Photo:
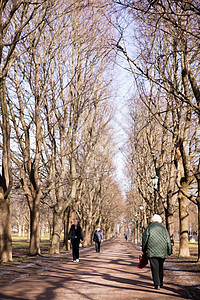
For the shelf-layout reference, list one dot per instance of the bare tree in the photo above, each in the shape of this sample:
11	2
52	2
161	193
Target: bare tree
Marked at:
14	19
166	58
29	88
71	103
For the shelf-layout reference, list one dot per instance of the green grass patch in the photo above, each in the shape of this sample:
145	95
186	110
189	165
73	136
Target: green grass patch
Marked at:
23	244
16	237
195	245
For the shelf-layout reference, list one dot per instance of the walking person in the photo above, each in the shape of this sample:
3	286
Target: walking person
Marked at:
75	235
156	242
98	238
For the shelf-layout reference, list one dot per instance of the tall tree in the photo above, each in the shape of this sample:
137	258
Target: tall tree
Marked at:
71	101
166	55
14	19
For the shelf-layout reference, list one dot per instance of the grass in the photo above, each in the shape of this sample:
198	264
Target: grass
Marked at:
195	245
20	244
24	244
16	237
193	248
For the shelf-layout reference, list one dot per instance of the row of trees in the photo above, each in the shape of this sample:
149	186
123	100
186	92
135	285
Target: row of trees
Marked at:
55	85
164	136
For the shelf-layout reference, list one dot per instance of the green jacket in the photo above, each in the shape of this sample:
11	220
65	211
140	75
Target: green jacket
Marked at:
156	241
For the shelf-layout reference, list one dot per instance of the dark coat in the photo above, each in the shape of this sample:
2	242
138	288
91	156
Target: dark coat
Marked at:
98	236
156	241
75	233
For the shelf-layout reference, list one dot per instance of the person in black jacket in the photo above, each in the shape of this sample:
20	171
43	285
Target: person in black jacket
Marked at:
75	235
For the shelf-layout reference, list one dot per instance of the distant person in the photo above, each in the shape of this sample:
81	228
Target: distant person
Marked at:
75	236
126	237
98	238
156	242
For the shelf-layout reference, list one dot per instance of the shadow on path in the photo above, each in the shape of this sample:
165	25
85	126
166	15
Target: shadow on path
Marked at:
110	274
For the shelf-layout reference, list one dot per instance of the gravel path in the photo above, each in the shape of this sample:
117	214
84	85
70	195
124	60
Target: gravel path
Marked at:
111	274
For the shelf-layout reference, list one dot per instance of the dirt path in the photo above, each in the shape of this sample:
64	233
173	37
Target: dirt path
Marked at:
111	274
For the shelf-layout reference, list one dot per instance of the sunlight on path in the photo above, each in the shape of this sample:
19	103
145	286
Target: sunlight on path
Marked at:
110	274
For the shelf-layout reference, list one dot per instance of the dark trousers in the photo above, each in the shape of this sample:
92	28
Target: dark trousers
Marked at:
97	246
157	270
75	249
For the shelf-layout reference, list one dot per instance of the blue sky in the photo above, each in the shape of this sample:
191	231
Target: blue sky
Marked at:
123	81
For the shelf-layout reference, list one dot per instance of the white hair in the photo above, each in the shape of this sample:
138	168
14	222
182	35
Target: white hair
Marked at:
156	218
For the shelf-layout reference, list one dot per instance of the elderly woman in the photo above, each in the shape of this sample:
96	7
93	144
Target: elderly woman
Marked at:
156	242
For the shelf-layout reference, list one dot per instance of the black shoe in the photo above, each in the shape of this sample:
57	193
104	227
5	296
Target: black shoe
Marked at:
161	285
157	287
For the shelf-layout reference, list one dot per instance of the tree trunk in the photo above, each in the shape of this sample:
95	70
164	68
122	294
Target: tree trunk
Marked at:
5	229
87	237
170	204
138	232
5	182
198	205
28	232
66	228
34	247
57	230
184	224
170	217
